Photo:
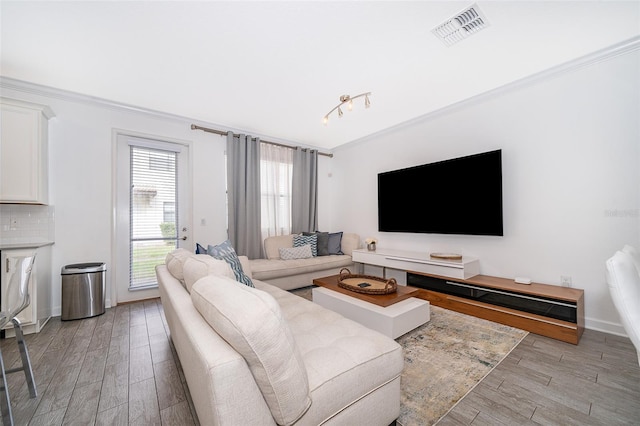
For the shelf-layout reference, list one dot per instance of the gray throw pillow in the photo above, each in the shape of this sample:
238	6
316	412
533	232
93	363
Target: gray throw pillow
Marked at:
323	242
335	243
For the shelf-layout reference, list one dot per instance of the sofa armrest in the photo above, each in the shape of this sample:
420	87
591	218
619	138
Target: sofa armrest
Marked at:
350	242
273	244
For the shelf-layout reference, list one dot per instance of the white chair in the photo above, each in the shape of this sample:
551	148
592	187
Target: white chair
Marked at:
634	255
17	299
623	280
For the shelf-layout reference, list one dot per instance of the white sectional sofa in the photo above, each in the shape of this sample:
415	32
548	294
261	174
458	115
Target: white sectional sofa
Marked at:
297	273
263	356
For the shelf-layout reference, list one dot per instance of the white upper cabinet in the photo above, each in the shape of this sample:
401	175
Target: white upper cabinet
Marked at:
24	152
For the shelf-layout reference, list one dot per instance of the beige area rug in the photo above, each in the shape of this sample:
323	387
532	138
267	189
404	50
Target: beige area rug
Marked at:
445	359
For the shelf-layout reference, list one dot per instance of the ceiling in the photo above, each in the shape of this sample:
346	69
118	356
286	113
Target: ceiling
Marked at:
274	69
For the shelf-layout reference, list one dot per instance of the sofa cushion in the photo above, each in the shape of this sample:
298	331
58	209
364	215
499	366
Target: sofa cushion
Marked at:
264	269
251	321
344	360
201	265
175	262
303	240
226	252
302	252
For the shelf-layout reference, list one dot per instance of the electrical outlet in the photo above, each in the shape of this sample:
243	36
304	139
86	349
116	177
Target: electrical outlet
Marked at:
565	281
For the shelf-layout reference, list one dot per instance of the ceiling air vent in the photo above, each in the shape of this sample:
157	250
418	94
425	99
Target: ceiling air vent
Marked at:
461	25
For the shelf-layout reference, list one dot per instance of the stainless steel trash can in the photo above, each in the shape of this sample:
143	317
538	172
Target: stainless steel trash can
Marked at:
83	290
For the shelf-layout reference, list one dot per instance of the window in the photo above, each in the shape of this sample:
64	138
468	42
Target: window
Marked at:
169	211
276	164
159	161
153	230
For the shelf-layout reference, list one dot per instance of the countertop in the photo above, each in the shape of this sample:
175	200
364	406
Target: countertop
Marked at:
23	244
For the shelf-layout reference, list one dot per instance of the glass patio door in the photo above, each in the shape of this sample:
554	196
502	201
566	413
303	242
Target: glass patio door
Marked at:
152	214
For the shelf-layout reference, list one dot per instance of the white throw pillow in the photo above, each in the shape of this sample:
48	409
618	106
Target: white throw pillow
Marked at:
201	265
302	252
251	321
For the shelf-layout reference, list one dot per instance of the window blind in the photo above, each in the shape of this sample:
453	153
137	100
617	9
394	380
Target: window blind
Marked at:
153	211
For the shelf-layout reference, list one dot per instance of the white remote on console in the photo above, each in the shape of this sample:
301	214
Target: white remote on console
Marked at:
522	280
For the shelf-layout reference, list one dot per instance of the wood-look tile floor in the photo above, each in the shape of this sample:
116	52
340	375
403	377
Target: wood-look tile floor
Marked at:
548	382
120	368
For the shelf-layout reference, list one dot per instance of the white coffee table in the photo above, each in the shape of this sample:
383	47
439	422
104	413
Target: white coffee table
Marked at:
393	320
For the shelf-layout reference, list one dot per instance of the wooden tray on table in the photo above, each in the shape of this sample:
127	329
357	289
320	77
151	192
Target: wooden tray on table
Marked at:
366	284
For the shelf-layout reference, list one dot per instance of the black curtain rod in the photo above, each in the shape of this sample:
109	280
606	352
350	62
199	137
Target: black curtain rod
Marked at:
223	133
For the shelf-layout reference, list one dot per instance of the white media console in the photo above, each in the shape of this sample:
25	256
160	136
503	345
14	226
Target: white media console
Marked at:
549	310
419	262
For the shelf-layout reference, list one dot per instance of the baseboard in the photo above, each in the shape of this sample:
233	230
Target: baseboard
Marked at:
605	326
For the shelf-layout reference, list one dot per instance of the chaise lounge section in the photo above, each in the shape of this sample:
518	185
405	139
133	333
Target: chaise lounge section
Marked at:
260	356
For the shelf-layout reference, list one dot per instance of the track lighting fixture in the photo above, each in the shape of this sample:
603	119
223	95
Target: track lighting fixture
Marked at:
347	99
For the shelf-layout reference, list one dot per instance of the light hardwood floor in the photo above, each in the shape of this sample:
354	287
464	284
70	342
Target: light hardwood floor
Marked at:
120	368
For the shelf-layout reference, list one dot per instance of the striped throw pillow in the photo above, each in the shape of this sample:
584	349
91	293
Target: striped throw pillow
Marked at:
303	240
226	252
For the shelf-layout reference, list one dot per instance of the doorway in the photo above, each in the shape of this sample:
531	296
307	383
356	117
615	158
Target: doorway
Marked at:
152	211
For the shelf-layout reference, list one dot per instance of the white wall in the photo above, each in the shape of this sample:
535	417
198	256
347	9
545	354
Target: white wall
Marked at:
81	178
570	162
571	180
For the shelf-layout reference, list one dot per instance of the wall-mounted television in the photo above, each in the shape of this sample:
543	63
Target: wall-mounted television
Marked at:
457	196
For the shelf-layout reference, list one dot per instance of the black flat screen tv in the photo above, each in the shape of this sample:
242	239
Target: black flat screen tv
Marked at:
458	196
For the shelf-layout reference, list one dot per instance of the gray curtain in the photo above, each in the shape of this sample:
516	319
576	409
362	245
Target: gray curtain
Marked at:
243	194
304	191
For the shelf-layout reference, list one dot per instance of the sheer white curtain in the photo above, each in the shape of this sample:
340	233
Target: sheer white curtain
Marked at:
276	165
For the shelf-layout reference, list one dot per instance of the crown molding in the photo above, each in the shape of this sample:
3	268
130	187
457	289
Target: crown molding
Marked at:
79	98
65	95
599	56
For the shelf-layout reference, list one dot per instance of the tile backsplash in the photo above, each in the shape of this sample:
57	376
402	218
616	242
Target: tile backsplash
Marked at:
26	222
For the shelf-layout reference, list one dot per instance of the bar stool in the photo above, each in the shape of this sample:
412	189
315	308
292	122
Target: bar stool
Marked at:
17	300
